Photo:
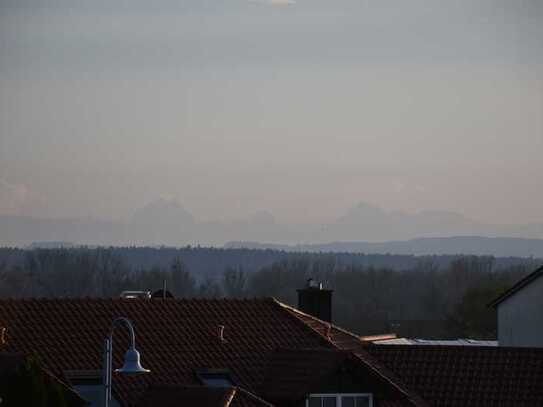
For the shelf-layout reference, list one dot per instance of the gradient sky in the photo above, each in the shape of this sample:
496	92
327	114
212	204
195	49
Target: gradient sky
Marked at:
300	108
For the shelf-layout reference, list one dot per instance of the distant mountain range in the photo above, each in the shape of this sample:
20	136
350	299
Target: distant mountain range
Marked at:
168	223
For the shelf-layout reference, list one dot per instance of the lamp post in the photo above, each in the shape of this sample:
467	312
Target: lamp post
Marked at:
131	358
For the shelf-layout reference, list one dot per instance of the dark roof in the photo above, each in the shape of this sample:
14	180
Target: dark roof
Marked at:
291	374
10	362
201	396
243	398
177	396
345	340
518	286
468	376
175	337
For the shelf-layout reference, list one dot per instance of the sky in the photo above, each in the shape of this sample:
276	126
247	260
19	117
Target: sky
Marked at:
301	108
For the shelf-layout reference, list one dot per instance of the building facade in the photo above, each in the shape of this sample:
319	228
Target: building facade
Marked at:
520	313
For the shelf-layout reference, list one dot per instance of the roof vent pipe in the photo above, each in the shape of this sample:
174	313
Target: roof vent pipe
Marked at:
220	333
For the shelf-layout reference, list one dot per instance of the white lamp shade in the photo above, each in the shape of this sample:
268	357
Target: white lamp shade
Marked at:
132	363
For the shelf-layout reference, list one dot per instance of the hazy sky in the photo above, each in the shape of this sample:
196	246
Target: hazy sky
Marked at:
300	108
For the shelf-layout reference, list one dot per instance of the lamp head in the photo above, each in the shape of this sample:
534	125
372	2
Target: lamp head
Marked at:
132	363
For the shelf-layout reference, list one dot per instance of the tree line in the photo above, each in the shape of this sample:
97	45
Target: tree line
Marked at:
424	300
211	261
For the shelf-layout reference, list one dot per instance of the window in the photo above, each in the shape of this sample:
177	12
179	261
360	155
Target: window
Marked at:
215	377
340	400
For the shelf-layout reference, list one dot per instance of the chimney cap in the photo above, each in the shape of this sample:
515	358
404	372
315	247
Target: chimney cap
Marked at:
311	283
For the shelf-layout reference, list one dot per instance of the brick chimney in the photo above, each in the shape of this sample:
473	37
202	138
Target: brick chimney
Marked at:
315	301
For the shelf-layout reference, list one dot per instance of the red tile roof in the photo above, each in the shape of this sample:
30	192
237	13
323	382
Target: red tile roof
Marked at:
174	336
177	337
468	376
345	340
292	374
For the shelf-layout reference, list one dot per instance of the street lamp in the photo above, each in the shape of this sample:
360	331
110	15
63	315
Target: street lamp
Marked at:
131	358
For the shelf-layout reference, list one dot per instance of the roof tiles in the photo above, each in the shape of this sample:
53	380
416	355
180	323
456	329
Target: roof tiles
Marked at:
174	336
468	376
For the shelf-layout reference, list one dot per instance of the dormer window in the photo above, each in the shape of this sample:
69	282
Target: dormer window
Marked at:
340	400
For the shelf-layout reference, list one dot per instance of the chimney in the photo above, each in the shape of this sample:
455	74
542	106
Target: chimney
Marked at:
315	301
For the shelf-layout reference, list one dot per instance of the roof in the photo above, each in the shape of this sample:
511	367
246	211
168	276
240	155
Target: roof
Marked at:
243	398
449	376
345	340
392	339
175	338
468	376
176	396
10	362
201	396
517	287
291	374
178	336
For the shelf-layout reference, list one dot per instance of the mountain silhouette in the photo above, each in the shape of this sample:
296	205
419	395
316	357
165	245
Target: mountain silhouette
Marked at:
167	222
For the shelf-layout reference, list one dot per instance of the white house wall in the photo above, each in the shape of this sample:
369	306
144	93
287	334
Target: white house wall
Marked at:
520	317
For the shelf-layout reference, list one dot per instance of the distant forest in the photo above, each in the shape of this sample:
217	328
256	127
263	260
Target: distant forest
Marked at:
424	297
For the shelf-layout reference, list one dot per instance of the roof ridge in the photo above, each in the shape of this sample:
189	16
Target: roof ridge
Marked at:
287	307
297	311
534	275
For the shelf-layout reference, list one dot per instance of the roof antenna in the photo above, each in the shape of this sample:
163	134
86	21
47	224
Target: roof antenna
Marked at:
164	289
